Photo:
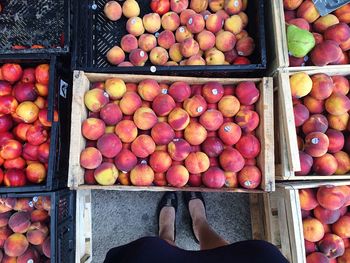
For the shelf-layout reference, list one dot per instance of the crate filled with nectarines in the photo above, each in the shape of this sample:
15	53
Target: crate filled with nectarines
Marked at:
37	227
172	36
314	124
32	134
313	221
302	37
139	132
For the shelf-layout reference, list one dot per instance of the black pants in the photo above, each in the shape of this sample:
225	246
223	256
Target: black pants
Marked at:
154	250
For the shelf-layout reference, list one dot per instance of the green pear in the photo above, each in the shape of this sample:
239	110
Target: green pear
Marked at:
300	41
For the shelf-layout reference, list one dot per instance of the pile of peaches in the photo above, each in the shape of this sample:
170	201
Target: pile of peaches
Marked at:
326	223
321	106
24	125
182	32
174	134
331	32
25	229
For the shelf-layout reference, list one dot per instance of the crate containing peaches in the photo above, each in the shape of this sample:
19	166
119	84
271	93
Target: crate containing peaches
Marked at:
171	37
37	227
133	132
310	221
34	122
314	123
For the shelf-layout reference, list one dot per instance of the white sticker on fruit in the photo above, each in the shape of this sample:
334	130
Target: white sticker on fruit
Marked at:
176	140
190	21
236	3
143	162
133	21
105	94
227	128
182	29
240	53
215	92
206	17
142	53
247	183
200	109
30	261
31	204
164	91
156	34
315	140
35	199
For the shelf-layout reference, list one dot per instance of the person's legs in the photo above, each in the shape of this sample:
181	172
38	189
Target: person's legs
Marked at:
208	238
167	224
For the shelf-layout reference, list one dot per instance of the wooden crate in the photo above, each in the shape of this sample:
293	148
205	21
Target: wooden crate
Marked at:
83	221
283	214
287	153
264	132
277	38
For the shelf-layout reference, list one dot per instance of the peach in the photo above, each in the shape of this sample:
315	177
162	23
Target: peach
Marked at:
134	26
15	245
343	13
231	160
143	146
30	152
230	133
130	102
185	14
151	22
177	176
244	18
324	22
336	140
313	105
147	42
179	149
325	165
211	119
316	144
37	233
195	133
178	5
145	118
316	123
214	56
30	255
310	247
248	120
6	124
306	163
159	56
327	52
180	91
343	161
163	104
195	106
231	180
90	158
332	197
175	52
5	88
24	92
308	11
189	47
182	33
206	40
340	84
225	41
216	5
11	72
195	180
142	175
106	174
39	216
301	114
340	33
214	23
230	57
195	23
326	216
213	91
229	106
248	146
338	122
313	230
138	57
109	145
93	128
36	172
128	43
345	257
115	88
131	8
291	4
195	60
115	55
317	257
5	232
112	10
300	84
233	7
249	177
214	177
322	86
10	149
96	99
36	135
19	222
160	179
178	119
46	247
162	133
307	199
341	227
149	89
213	146
170	21
27	111
245	46
4	218
247	93
318	39
166	39
125	160
197	162
234	24
337	104
126	131
300	22
160	161
199	5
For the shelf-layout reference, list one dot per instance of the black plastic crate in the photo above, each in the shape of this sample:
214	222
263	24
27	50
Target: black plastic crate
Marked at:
95	35
62	215
33	22
59	98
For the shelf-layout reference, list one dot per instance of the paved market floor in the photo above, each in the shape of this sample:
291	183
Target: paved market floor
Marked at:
121	217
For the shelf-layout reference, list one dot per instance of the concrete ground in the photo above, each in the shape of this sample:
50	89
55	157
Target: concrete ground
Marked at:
121	217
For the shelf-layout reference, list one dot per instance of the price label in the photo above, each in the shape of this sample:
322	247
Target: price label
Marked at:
325	7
